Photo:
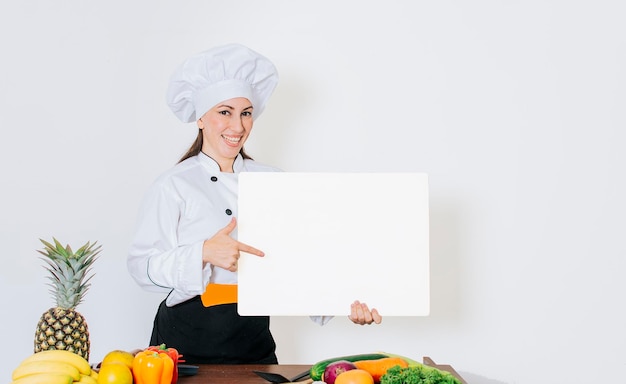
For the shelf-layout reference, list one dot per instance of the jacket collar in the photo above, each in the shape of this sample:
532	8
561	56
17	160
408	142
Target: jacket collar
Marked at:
213	167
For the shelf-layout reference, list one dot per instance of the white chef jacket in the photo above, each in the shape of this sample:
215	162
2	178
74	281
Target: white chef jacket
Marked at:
184	207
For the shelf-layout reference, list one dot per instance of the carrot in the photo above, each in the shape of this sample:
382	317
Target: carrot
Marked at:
378	367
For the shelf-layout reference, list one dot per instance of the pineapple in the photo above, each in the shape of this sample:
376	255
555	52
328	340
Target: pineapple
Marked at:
61	327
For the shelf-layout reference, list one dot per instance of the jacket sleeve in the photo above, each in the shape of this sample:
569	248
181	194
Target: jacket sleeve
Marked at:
156	260
321	320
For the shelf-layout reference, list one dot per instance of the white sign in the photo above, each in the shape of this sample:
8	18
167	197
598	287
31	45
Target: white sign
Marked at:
332	238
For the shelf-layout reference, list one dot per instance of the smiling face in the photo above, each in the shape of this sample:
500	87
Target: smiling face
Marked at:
225	128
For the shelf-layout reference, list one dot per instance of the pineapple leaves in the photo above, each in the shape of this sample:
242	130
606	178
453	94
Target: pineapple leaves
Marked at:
60	249
68	280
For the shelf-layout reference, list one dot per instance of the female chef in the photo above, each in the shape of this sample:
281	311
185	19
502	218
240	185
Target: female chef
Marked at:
185	243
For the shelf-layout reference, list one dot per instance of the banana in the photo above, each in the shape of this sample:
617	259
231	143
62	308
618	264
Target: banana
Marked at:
94	374
64	356
46	366
45	378
87	379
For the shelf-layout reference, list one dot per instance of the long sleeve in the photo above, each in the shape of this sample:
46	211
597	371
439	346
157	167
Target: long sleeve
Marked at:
157	260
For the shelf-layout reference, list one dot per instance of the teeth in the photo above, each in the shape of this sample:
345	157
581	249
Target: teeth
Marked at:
232	139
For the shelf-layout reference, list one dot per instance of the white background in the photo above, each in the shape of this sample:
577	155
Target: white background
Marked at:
515	109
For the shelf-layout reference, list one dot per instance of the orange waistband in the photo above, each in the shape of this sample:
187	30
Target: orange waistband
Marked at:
216	294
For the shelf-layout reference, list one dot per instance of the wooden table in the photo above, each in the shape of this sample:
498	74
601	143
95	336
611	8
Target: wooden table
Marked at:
243	374
239	374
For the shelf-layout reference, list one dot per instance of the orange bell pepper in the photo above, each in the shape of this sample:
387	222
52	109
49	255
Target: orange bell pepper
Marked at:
173	354
150	367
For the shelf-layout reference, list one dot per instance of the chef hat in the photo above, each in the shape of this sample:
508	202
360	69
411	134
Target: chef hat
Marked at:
218	74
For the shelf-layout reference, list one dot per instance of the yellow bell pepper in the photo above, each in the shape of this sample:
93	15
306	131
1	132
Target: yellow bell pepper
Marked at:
150	367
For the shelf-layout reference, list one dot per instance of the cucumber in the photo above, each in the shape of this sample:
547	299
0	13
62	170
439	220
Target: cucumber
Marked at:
317	370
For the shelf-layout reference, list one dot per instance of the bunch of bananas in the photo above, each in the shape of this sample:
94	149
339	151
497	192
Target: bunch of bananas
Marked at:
54	367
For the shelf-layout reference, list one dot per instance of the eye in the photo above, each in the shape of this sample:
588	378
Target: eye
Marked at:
246	113
224	112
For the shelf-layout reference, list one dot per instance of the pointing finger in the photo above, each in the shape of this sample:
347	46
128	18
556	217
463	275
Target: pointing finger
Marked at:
248	249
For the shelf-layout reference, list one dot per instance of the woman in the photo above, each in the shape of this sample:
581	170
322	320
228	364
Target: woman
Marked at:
185	242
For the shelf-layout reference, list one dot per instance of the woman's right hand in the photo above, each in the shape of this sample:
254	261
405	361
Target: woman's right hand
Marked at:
222	250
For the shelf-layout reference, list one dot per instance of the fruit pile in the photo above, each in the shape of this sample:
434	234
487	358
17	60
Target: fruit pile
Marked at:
62	337
153	365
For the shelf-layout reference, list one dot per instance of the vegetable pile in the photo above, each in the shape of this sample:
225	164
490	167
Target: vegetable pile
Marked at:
380	368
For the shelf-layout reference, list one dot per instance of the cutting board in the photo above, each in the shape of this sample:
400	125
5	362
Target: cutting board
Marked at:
332	238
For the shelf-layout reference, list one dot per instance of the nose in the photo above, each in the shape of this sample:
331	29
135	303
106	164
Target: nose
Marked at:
239	125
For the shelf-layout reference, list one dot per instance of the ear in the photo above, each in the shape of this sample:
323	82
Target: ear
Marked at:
200	123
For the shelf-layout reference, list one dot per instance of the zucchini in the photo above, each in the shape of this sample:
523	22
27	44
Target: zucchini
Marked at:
317	370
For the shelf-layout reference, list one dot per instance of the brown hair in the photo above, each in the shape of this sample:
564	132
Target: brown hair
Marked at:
196	148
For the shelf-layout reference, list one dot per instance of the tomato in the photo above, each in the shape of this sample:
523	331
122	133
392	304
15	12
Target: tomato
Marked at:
355	376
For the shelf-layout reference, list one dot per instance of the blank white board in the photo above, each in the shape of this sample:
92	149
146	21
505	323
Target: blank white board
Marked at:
332	238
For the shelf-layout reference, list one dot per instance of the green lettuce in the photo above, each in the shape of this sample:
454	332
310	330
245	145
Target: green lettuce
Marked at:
419	374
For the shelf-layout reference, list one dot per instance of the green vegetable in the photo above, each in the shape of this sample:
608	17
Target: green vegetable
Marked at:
317	370
419	374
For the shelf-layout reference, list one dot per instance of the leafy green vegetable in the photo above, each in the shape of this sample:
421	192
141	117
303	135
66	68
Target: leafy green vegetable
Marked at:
419	374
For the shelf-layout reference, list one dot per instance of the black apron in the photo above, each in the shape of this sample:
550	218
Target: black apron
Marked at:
214	335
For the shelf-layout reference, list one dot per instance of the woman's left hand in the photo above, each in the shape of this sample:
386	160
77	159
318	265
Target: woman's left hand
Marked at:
361	314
